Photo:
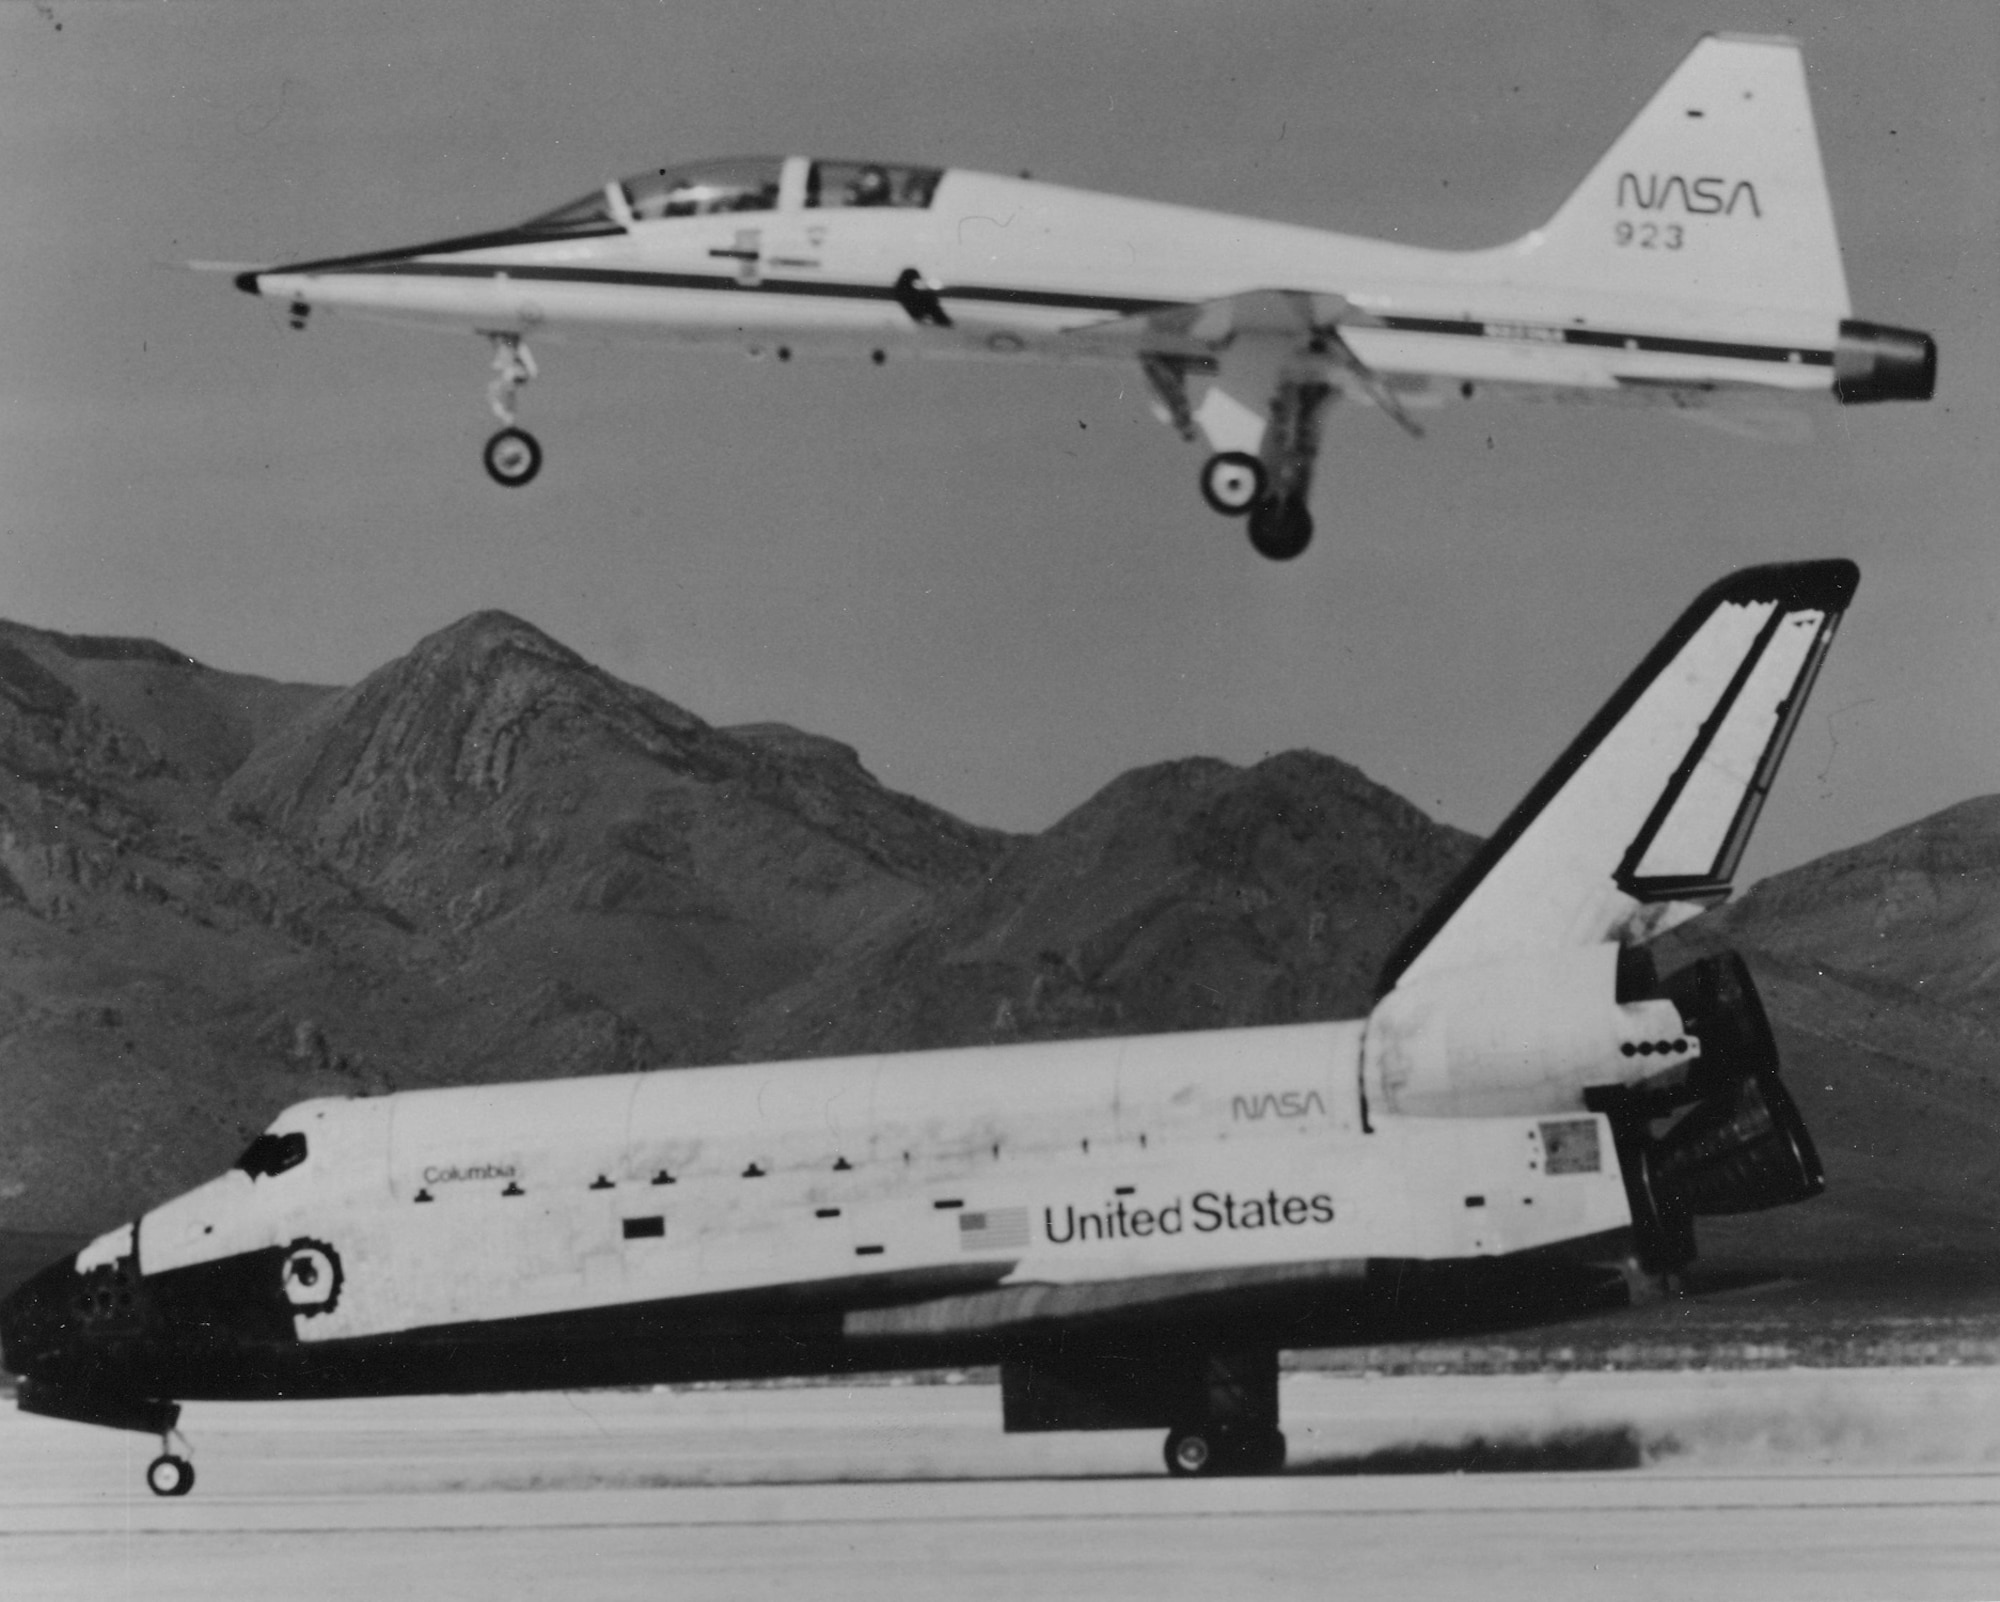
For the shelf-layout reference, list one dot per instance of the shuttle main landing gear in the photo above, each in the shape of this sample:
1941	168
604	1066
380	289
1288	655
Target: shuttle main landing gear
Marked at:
1229	1419
170	1474
513	456
1215	1449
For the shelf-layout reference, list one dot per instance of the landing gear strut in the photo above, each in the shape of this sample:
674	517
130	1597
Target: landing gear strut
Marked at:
513	456
170	1474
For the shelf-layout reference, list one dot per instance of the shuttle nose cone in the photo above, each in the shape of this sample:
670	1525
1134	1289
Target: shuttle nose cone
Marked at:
35	1319
247	282
61	1321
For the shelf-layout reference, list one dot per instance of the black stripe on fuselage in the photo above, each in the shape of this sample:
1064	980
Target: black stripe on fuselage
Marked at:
1059	300
228	1351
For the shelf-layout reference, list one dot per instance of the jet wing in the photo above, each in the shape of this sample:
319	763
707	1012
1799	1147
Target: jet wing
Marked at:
1251	341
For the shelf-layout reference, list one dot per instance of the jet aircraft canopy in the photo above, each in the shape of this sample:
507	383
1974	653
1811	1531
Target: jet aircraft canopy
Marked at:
870	183
740	183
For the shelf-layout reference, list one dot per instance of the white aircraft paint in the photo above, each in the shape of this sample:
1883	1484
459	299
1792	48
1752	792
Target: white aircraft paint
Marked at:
1695	266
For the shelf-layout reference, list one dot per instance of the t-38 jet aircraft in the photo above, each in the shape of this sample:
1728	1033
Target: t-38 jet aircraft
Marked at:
1695	267
1129	1228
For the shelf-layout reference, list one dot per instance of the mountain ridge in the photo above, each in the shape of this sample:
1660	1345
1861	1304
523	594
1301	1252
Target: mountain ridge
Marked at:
491	860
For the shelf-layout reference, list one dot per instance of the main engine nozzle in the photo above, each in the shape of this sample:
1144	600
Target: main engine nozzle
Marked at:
1743	1146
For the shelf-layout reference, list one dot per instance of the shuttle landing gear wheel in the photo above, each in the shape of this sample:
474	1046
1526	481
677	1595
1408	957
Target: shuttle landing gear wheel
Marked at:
1232	482
170	1475
1190	1452
1280	529
1208	1450
513	457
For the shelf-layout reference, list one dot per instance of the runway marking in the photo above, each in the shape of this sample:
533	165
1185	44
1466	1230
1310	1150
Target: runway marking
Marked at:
1038	1501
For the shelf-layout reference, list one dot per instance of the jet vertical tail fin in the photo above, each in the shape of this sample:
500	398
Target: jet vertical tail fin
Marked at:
1713	194
1641	822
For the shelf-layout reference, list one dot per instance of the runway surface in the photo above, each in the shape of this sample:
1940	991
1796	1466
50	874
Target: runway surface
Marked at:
1761	1484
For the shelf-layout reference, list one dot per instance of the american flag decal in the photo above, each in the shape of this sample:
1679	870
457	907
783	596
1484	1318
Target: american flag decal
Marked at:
1001	1229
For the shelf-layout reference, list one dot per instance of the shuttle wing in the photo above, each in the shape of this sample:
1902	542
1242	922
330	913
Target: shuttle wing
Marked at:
1641	822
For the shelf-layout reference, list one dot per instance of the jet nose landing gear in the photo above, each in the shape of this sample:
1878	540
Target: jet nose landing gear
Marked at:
513	456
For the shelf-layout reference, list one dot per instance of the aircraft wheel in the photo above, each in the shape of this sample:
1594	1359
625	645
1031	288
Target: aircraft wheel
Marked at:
1192	1452
1280	529
513	457
1232	482
168	1475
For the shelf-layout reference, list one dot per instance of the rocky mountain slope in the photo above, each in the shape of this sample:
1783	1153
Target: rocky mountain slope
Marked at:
1881	968
489	860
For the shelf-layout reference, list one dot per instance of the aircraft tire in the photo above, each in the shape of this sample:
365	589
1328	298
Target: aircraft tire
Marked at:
1280	529
169	1475
1192	1453
513	457
1233	482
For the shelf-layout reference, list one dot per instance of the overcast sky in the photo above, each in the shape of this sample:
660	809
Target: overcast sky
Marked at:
999	584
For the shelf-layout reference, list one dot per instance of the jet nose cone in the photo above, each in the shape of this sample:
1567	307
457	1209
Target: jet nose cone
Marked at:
247	282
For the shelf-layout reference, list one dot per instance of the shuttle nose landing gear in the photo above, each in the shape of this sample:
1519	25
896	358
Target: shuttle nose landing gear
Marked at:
170	1474
513	456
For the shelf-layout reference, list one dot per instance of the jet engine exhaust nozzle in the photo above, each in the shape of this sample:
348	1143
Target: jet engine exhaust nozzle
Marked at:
1874	362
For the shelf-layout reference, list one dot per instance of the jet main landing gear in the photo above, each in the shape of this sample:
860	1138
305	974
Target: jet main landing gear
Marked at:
1233	482
1280	527
513	456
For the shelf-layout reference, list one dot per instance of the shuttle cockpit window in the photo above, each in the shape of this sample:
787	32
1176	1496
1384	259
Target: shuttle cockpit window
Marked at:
745	183
272	1154
590	215
870	183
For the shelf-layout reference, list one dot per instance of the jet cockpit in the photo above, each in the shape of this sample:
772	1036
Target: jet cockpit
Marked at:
739	184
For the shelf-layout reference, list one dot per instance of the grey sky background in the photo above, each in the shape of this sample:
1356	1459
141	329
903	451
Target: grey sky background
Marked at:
999	584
